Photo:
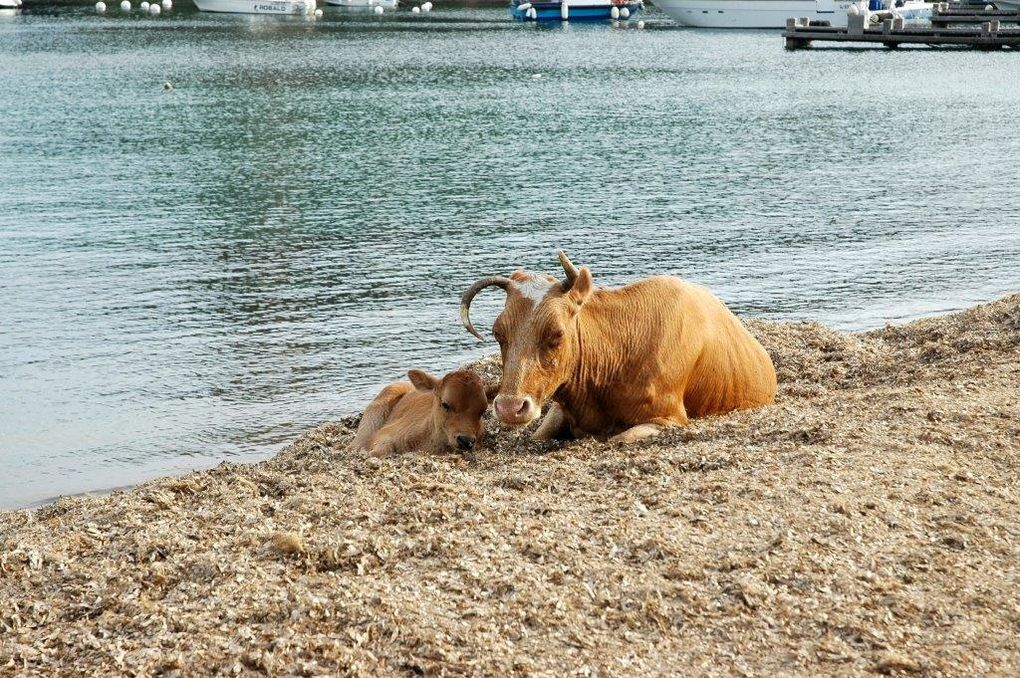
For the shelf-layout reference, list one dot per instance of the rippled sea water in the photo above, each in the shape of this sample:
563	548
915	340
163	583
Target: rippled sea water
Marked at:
199	275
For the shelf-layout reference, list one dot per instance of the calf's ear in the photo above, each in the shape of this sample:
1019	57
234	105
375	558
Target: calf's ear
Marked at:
582	288
423	381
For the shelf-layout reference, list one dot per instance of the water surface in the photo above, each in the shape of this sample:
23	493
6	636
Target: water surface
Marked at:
199	275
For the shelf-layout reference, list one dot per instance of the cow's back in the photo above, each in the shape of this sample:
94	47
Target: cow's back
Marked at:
732	370
674	340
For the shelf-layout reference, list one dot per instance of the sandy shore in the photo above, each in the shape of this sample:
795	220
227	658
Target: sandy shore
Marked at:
869	521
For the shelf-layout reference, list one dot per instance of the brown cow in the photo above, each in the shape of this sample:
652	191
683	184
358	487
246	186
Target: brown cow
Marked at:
428	413
626	362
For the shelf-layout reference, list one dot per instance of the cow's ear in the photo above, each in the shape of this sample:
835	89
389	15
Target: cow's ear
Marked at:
582	288
423	381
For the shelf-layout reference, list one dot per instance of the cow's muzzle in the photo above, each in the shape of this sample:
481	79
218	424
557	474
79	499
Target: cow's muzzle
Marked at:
515	410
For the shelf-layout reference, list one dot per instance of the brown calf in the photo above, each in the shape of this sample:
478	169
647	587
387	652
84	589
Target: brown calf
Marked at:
428	414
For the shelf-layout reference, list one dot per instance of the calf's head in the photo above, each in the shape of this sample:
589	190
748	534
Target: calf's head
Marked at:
458	405
537	335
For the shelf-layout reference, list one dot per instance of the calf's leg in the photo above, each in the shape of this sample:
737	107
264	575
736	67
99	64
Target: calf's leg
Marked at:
377	412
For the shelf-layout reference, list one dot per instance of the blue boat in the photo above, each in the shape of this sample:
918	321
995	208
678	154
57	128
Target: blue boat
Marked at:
575	10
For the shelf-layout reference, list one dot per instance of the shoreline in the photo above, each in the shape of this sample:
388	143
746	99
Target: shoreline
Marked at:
865	522
932	310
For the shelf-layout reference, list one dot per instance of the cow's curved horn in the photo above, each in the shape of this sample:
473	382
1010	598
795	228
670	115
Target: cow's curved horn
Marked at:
465	301
568	268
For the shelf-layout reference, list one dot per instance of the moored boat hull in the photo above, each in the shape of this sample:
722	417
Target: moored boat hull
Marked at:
257	6
774	13
583	10
385	4
751	13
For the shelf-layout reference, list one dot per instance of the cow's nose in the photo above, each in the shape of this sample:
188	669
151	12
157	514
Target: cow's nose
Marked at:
465	442
513	409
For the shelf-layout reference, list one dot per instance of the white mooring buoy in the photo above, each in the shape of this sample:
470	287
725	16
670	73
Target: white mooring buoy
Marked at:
318	14
624	13
168	4
415	10
100	6
154	9
125	6
167	87
144	6
426	7
614	12
379	10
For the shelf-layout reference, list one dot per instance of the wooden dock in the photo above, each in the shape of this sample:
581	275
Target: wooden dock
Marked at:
892	33
946	14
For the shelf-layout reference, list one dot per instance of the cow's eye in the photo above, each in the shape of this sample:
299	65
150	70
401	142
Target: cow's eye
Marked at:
554	339
445	405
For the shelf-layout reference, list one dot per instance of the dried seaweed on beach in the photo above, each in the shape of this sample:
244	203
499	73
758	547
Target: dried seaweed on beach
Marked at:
867	522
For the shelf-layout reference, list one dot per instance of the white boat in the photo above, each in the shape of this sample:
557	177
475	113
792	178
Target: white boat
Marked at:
257	6
908	10
774	13
752	13
385	4
10	4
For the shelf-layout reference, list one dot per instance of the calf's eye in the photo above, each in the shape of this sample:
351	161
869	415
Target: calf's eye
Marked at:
446	406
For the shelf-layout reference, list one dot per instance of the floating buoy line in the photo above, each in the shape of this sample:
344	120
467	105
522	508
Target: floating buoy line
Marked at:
153	8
